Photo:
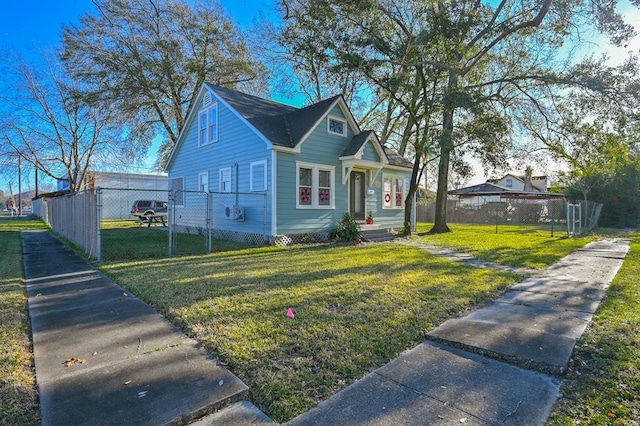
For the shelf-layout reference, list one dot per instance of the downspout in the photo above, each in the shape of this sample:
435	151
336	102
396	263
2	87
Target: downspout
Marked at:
237	195
274	190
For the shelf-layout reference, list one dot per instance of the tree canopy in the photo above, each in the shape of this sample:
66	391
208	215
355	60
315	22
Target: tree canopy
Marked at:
46	122
461	77
151	57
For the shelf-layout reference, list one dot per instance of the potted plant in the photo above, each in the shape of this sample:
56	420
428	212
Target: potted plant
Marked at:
369	219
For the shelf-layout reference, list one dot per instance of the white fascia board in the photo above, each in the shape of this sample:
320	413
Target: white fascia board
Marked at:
401	168
286	149
367	164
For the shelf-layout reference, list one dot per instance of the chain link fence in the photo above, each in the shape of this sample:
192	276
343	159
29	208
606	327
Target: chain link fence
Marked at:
136	223
554	214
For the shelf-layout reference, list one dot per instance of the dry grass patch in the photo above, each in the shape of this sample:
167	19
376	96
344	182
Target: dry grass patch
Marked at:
18	394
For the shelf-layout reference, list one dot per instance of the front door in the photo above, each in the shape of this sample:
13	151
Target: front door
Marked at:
356	189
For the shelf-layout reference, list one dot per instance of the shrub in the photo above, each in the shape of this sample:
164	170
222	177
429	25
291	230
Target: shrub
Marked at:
347	229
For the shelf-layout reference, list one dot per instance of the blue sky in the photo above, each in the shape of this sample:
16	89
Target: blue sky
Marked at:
29	29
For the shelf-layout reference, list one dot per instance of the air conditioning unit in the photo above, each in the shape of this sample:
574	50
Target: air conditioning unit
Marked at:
234	213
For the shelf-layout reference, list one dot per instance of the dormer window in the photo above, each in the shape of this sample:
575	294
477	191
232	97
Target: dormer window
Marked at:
336	126
509	183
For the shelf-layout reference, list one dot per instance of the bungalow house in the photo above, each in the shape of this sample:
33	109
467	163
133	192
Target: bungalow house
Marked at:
283	173
495	190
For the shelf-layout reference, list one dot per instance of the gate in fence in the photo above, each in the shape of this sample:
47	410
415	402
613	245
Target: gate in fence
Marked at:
189	222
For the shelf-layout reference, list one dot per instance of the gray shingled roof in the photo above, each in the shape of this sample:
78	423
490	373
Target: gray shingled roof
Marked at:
356	143
488	188
285	125
396	159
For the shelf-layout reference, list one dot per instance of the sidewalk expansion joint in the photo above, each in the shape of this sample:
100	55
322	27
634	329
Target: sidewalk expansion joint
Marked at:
444	403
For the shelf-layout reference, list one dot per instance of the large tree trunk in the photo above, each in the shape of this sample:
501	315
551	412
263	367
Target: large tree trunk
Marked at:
440	223
446	147
411	195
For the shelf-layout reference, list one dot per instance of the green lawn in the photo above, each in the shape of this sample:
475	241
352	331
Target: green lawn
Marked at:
18	394
356	307
525	246
128	239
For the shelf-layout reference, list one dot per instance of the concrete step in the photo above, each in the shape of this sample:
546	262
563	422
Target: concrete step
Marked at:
377	235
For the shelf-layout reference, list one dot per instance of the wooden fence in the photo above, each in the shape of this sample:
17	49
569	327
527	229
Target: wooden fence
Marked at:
75	217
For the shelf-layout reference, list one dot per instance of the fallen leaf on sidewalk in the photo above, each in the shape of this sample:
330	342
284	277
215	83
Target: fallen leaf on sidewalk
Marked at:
72	361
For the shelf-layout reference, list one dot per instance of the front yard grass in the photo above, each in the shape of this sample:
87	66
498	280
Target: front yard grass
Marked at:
524	246
18	394
356	307
129	239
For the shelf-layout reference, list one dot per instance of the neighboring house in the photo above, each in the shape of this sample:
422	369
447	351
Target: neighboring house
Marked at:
495	190
522	183
305	167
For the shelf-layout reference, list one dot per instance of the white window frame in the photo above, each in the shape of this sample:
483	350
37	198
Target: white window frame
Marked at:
178	202
208	125
508	183
223	171
315	185
253	164
393	193
338	120
203	182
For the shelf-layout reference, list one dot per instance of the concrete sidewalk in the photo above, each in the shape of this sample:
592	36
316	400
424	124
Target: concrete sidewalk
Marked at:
104	357
497	365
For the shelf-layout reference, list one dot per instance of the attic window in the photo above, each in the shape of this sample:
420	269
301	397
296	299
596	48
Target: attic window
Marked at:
208	125
509	183
336	126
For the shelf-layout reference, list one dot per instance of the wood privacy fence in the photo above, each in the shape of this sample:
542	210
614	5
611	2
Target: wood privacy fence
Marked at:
75	217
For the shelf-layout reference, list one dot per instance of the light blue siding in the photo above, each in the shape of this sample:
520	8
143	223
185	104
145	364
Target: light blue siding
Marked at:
319	148
324	149
386	217
370	153
236	148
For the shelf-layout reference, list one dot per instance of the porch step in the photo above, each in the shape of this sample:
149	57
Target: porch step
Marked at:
376	235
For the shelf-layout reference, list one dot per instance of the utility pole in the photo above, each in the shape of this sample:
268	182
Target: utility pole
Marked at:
19	185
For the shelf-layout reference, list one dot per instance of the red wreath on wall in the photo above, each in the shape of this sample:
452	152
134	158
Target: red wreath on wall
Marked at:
324	195
398	199
305	195
387	198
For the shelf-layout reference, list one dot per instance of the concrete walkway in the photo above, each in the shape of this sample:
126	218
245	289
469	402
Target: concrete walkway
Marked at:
496	366
104	357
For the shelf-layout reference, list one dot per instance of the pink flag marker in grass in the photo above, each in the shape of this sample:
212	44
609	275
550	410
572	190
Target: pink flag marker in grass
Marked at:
290	313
